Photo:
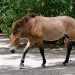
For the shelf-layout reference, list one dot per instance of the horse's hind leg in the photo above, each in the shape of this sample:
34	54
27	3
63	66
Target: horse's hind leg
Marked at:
43	56
69	48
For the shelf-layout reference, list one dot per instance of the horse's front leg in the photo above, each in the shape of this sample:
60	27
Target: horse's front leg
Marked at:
68	45
43	56
26	49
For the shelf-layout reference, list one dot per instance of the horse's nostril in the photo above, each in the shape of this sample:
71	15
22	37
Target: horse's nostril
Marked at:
12	51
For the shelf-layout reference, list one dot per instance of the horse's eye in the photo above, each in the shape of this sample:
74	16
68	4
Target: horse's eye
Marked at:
19	30
16	31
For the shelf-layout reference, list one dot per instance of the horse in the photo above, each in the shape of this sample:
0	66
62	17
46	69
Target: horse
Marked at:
36	28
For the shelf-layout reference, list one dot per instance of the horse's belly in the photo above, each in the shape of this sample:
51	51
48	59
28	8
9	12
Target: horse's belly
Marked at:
55	34
53	37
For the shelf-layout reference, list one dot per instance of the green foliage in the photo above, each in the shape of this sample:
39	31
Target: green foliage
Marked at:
11	10
57	7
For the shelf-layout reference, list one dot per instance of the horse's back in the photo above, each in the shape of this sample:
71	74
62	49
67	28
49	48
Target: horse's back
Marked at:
54	28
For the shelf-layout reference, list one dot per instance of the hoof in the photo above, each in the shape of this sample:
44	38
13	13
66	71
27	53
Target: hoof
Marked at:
21	66
12	51
65	63
43	65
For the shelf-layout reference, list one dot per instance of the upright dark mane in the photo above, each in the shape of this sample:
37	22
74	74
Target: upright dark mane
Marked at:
32	15
26	18
19	23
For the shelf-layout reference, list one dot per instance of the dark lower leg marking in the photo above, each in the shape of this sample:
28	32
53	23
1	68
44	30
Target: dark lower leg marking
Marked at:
26	49
43	56
69	48
22	59
23	56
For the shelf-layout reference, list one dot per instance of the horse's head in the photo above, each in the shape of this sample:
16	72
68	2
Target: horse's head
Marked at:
20	29
18	26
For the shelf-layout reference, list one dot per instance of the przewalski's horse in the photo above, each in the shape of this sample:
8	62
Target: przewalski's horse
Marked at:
38	28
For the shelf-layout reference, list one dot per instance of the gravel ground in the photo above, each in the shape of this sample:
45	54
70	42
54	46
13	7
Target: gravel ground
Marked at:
9	63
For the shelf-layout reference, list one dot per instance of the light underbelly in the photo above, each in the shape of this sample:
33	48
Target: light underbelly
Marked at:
53	36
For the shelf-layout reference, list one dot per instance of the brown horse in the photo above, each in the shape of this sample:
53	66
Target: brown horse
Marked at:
38	28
